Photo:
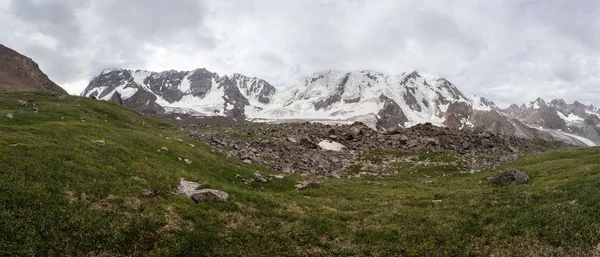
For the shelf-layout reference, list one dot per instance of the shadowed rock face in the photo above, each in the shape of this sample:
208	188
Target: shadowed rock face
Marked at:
19	73
391	116
141	101
457	114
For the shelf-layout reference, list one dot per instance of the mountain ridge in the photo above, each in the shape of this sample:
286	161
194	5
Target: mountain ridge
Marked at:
382	101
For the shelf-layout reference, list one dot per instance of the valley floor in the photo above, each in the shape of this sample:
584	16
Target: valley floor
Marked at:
65	192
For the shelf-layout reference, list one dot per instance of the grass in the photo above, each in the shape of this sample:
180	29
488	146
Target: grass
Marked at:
61	194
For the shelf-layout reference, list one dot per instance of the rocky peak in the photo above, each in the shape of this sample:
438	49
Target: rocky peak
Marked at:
19	73
252	86
538	103
449	87
411	76
558	102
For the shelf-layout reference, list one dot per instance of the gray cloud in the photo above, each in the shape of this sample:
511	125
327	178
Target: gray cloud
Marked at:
507	50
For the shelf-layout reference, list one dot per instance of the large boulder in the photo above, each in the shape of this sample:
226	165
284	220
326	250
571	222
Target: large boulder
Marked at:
211	195
511	177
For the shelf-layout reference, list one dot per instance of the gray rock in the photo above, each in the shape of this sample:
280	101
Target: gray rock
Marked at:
308	182
9	115
211	195
260	178
100	142
138	179
430	182
511	177
148	193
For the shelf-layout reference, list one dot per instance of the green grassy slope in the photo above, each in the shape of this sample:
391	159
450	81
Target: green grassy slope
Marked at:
61	194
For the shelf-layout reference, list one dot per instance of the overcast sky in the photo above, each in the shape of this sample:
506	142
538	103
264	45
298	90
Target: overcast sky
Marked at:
507	50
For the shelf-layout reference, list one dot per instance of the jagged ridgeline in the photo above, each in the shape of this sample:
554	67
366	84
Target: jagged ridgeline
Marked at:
382	101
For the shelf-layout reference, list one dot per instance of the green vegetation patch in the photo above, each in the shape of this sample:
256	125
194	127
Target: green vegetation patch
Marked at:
62	194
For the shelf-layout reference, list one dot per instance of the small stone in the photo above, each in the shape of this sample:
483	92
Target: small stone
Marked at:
62	118
138	179
212	195
573	202
278	176
9	115
308	182
148	192
178	158
187	161
164	148
436	201
101	141
22	102
83	119
36	109
192	145
260	178
248	161
430	182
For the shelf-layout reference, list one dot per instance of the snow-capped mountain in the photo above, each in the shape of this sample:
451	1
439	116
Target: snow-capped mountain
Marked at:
560	117
199	91
372	97
380	100
337	95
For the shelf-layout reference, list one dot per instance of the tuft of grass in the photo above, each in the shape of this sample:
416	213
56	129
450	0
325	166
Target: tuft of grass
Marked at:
61	194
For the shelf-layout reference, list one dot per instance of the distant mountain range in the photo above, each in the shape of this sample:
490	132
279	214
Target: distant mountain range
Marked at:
380	100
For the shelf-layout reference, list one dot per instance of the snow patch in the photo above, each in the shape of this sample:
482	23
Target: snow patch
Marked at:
127	92
331	145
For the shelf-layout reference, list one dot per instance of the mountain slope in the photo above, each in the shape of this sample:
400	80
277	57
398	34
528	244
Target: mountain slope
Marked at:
63	194
560	118
19	73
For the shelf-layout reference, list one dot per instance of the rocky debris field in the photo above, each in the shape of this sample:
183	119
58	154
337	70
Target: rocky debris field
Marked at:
357	150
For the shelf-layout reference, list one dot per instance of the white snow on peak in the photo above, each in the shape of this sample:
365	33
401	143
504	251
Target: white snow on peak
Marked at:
343	95
571	118
185	86
482	104
139	76
127	92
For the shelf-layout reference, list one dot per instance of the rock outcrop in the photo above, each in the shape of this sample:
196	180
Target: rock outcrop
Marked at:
19	73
